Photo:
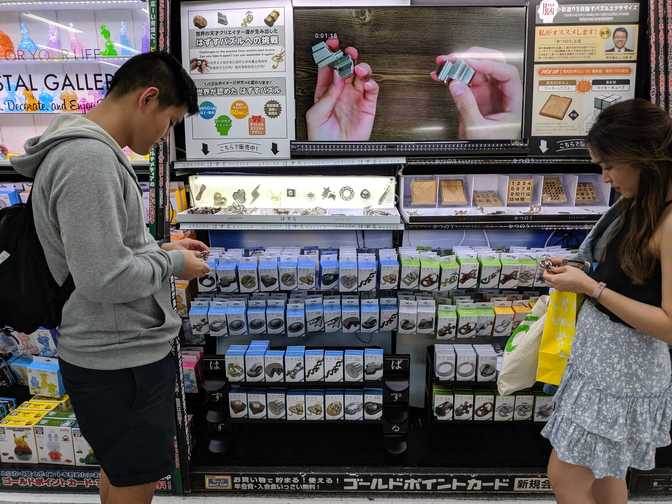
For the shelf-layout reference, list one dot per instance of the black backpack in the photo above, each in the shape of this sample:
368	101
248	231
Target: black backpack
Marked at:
29	297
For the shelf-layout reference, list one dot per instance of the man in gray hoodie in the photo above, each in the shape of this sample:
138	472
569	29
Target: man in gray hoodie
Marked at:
118	325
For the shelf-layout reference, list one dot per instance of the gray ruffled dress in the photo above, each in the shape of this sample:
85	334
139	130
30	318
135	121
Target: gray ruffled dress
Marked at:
614	405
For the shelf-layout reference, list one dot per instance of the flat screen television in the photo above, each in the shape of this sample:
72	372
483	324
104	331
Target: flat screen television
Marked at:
393	96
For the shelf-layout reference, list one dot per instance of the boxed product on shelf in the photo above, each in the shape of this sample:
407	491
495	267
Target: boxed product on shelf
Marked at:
503	318
329	272
190	374
484	405
523	406
44	378
543	407
295	364
54	441
296	405
528	270
276	404
426	316
373	404
410	270
296	319
238	403
452	191
274	365
510	271
486	319
182	297
354	405
256	317
467	320
288	271
208	283
248	274
463	405
333	404
198	316
487	363
446	326
389	314
236	318
367	271
234	360
370	312
269	279
84	455
389	269
373	364
490	271
465	363
275	316
468	271
444	362
256	404
450	273
422	192
350	314
314	365
307	272
348	275
217	323
20	366
254	364
227	274
332	314
334	365
429	273
443	401
354	365
408	316
314	314
314	405
521	309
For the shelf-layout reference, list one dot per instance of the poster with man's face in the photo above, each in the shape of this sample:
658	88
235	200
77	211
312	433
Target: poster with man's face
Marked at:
399	87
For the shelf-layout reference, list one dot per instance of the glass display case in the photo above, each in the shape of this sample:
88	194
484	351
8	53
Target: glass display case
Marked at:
58	57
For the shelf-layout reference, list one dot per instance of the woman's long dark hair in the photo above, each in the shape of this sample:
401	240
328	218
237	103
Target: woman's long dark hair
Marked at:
638	133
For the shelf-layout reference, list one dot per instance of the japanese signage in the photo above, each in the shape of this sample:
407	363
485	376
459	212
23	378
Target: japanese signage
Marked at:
585	58
240	56
384	482
70	480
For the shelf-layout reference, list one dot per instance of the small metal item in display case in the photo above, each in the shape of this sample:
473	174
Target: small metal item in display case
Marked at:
456	70
346	193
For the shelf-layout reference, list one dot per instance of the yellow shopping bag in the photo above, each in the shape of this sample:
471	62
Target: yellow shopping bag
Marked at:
558	336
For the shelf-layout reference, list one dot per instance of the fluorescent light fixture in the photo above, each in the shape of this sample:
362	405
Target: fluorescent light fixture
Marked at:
52	23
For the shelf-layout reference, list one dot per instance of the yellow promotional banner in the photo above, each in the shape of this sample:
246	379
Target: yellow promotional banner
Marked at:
558	336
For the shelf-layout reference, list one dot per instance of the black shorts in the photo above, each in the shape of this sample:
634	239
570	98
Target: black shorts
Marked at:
128	418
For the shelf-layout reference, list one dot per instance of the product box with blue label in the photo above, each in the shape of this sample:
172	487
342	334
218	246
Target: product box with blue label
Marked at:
333	401
44	378
296	319
235	363
370	312
350	314
307	272
354	365
275	316
217	319
373	404
389	269
314	365
274	365
254	364
288	271
248	278
314	405
256	316
198	317
236	318
208	283
332	314
367	269
295	364
353	401
296	405
389	314
333	365
329	272
347	265
314	314
269	279
373	364
227	275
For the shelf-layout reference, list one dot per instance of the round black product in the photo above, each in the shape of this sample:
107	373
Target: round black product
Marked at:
370	323
329	278
276	323
219	445
487	370
274	369
443	409
207	281
372	368
217	326
256	407
237	406
236	325
407	325
256	324
350	323
373	408
289	279
248	281
268	280
354	370
484	409
295	327
255	371
348	281
234	370
426	324
226	281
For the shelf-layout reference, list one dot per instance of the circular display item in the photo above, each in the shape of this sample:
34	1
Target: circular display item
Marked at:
234	370
276	323
236	325
334	409
365	194
295	327
504	410
255	371
346	193
276	408
237	406
443	409
373	408
466	369
487	370
268	280
248	281
348	281
445	369
256	324
256	407
207	281
354	370
288	279
484	409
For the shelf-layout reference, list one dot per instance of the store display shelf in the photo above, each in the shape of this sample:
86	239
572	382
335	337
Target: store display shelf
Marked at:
257	421
489	147
224	165
309	385
400	480
64	61
492	385
286	226
507	164
67	479
40	5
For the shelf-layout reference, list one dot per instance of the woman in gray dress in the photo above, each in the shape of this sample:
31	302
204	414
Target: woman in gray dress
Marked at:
614	405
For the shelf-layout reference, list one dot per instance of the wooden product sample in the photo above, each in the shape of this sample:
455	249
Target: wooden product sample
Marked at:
553	191
452	192
556	107
586	194
520	191
487	199
423	192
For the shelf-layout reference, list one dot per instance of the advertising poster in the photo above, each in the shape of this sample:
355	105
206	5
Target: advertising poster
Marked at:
397	53
240	54
585	60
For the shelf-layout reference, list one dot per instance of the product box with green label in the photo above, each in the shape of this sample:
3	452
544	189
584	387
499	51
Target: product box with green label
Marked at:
450	273
510	271
467	320
468	272
446	327
484	406
410	271
490	270
430	270
442	402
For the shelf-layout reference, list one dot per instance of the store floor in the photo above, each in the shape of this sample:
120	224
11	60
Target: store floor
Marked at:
23	498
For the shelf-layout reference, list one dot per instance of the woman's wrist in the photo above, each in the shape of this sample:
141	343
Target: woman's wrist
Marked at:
590	287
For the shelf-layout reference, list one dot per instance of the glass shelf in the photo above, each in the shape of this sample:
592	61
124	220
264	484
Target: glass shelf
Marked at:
17	5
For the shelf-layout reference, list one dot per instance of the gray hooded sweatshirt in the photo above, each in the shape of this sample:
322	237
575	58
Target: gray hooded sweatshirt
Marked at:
88	211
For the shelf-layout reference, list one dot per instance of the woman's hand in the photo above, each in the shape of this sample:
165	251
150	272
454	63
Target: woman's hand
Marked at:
187	244
570	279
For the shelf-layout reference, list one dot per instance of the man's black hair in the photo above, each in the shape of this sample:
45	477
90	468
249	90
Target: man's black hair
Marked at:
619	29
161	70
